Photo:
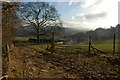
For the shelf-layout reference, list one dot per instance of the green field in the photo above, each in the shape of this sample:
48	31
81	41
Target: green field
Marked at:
78	47
106	46
21	38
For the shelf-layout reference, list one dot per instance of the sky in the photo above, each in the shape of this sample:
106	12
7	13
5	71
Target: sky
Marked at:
86	14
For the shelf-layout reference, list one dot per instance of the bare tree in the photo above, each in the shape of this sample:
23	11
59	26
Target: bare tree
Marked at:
38	15
8	26
8	22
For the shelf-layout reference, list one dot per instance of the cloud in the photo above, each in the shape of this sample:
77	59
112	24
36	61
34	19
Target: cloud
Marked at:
90	25
70	3
94	16
97	13
73	17
89	3
78	25
73	2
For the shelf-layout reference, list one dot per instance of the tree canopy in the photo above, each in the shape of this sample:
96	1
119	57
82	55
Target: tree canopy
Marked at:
39	16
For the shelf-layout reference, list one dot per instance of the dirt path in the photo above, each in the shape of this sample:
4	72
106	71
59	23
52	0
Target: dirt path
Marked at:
35	65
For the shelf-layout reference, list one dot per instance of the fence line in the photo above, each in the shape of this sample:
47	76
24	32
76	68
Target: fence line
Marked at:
90	46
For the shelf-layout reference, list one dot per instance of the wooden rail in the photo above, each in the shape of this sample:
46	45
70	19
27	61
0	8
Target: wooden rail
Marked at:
97	50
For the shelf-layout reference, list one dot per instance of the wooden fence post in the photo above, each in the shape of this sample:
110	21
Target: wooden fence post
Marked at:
89	44
8	52
114	45
52	48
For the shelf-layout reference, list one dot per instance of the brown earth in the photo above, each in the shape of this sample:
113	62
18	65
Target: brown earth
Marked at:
29	63
34	65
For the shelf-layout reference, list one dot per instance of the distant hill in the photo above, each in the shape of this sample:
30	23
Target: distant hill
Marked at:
71	31
67	31
82	34
98	35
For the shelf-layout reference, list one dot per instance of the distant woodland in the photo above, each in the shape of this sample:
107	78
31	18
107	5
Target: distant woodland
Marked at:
76	36
98	34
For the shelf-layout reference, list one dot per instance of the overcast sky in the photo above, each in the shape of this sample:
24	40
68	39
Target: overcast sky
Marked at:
87	14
